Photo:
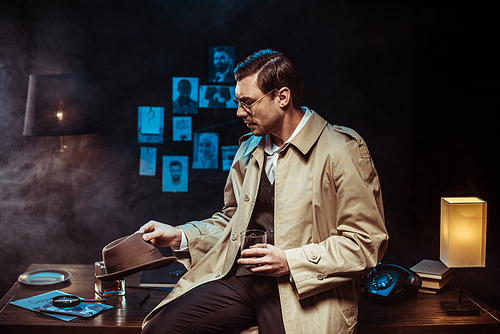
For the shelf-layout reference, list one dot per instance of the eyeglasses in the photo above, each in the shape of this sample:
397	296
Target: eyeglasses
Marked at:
247	107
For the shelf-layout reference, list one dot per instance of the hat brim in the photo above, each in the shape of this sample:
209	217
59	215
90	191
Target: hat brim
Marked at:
157	264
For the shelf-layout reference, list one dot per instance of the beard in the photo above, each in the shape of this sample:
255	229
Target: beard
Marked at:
270	124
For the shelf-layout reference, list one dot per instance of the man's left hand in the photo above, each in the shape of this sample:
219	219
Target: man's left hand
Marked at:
266	260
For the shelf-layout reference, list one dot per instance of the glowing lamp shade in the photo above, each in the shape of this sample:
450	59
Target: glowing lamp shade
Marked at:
463	232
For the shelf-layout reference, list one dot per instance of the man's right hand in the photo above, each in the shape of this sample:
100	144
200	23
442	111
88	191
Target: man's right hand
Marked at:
161	235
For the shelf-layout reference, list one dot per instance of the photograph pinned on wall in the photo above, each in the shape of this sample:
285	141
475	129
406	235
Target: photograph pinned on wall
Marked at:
184	95
217	97
228	153
181	128
205	150
175	173
147	165
150	124
221	64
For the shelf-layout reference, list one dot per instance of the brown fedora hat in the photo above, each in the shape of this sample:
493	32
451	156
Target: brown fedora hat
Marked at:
129	255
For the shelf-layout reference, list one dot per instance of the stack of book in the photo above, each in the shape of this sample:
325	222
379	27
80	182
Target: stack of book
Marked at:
434	275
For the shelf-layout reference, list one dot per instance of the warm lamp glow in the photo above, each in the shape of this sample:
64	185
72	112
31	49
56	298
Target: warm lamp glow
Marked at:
463	232
59	105
463	243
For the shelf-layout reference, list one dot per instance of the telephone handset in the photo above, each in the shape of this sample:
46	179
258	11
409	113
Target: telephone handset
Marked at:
389	284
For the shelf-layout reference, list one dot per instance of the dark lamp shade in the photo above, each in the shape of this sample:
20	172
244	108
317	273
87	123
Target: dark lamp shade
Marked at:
59	105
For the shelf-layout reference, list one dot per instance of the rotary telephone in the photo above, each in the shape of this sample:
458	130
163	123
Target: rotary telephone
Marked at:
389	284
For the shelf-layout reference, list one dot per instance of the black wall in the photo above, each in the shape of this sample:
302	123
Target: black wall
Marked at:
414	79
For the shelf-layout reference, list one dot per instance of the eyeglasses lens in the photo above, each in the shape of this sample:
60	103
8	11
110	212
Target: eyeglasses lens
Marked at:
243	105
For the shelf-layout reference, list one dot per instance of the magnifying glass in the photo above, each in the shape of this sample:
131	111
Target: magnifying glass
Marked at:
71	300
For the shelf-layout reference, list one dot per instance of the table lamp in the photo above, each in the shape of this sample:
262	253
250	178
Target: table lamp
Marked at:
59	105
463	243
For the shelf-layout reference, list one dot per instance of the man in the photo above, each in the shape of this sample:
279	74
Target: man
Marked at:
312	187
222	62
175	172
184	104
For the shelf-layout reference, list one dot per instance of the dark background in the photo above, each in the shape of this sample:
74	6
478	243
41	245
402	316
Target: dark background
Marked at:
415	79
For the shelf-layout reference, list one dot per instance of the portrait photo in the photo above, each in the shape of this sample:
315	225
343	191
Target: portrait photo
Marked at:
184	95
228	153
205	150
221	64
175	173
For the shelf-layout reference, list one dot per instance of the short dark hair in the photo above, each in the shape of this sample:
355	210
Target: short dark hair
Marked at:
276	70
221	49
175	163
184	81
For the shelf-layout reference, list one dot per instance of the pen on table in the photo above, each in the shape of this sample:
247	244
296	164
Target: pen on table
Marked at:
144	300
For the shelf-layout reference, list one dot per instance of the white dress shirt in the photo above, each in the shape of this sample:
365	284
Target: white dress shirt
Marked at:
273	150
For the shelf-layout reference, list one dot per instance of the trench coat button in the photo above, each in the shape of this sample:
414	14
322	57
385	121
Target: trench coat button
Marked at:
320	277
217	275
246	198
314	256
234	236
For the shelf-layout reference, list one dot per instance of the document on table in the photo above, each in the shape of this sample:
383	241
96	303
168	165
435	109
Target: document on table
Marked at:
43	304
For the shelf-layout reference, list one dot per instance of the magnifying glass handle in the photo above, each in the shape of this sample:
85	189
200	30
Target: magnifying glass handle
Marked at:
93	300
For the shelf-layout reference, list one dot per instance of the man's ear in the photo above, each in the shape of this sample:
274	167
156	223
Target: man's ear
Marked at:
284	97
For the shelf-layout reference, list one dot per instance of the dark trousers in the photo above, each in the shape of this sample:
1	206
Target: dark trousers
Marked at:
229	305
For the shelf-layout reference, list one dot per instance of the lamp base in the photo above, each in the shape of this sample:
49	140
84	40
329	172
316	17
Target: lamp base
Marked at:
454	308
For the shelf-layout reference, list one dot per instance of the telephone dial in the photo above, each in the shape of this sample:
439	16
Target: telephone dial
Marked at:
389	284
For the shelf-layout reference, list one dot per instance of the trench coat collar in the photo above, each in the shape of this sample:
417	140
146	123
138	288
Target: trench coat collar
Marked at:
304	140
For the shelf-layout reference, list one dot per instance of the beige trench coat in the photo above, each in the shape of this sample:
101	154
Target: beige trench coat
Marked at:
329	219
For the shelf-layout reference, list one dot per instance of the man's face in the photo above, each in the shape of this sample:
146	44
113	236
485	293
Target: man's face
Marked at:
221	61
175	172
267	117
184	89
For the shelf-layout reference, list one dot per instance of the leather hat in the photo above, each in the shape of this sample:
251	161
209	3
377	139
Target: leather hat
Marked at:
129	255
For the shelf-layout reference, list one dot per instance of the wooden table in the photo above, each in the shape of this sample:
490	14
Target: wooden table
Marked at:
424	315
420	315
125	317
